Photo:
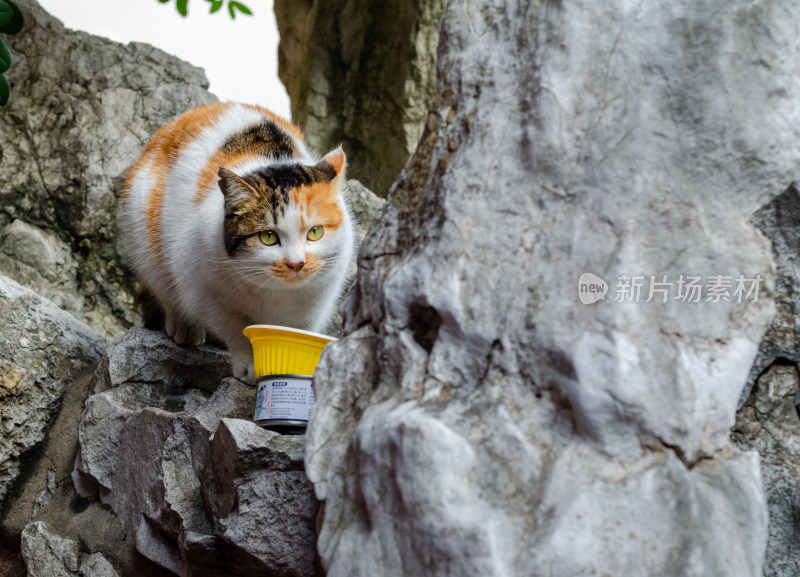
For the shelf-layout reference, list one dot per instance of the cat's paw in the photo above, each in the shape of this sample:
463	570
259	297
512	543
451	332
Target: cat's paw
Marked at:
195	335
185	333
243	369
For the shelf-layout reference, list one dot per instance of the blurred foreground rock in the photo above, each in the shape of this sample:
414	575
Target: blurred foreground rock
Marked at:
474	394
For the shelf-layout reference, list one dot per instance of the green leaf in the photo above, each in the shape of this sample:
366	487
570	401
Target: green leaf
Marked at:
163	1
3	90
182	6
5	57
216	5
5	12
14	24
233	6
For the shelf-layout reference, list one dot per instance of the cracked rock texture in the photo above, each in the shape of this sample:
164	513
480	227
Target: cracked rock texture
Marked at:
81	111
478	418
48	495
198	488
769	422
47	554
42	350
361	74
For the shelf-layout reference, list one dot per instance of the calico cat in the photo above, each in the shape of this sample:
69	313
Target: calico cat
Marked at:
229	220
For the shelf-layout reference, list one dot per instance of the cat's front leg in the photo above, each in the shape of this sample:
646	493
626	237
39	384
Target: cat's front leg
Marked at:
241	352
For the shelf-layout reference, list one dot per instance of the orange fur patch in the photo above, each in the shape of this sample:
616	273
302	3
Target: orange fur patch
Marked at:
317	204
161	154
281	269
209	177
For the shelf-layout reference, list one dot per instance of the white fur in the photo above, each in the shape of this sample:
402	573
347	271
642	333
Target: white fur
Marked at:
209	289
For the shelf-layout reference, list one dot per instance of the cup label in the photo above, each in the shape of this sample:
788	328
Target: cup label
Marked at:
284	398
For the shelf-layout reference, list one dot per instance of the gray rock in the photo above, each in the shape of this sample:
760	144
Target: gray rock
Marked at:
361	74
144	356
365	204
260	499
81	111
768	423
237	504
779	221
42	351
366	207
47	554
478	418
40	260
768	420
48	495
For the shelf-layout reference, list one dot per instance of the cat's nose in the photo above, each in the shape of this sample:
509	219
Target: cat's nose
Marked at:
296	266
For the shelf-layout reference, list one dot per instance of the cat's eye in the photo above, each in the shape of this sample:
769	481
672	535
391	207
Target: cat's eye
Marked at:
316	232
268	237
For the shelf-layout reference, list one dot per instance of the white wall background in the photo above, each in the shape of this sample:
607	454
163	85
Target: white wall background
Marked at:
239	56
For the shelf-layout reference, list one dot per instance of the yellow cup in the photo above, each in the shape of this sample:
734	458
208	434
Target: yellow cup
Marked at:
284	350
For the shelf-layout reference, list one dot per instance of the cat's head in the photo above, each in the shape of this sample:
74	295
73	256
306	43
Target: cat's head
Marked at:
286	217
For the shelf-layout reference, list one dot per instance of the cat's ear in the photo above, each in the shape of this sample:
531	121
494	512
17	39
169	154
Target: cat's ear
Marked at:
337	159
235	189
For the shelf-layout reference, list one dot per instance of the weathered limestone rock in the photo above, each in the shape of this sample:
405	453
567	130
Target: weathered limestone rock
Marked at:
81	111
49	555
478	418
42	351
361	74
193	498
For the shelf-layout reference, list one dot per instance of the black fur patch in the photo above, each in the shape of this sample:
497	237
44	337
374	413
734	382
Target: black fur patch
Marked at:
265	139
245	212
152	312
247	219
284	177
275	182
